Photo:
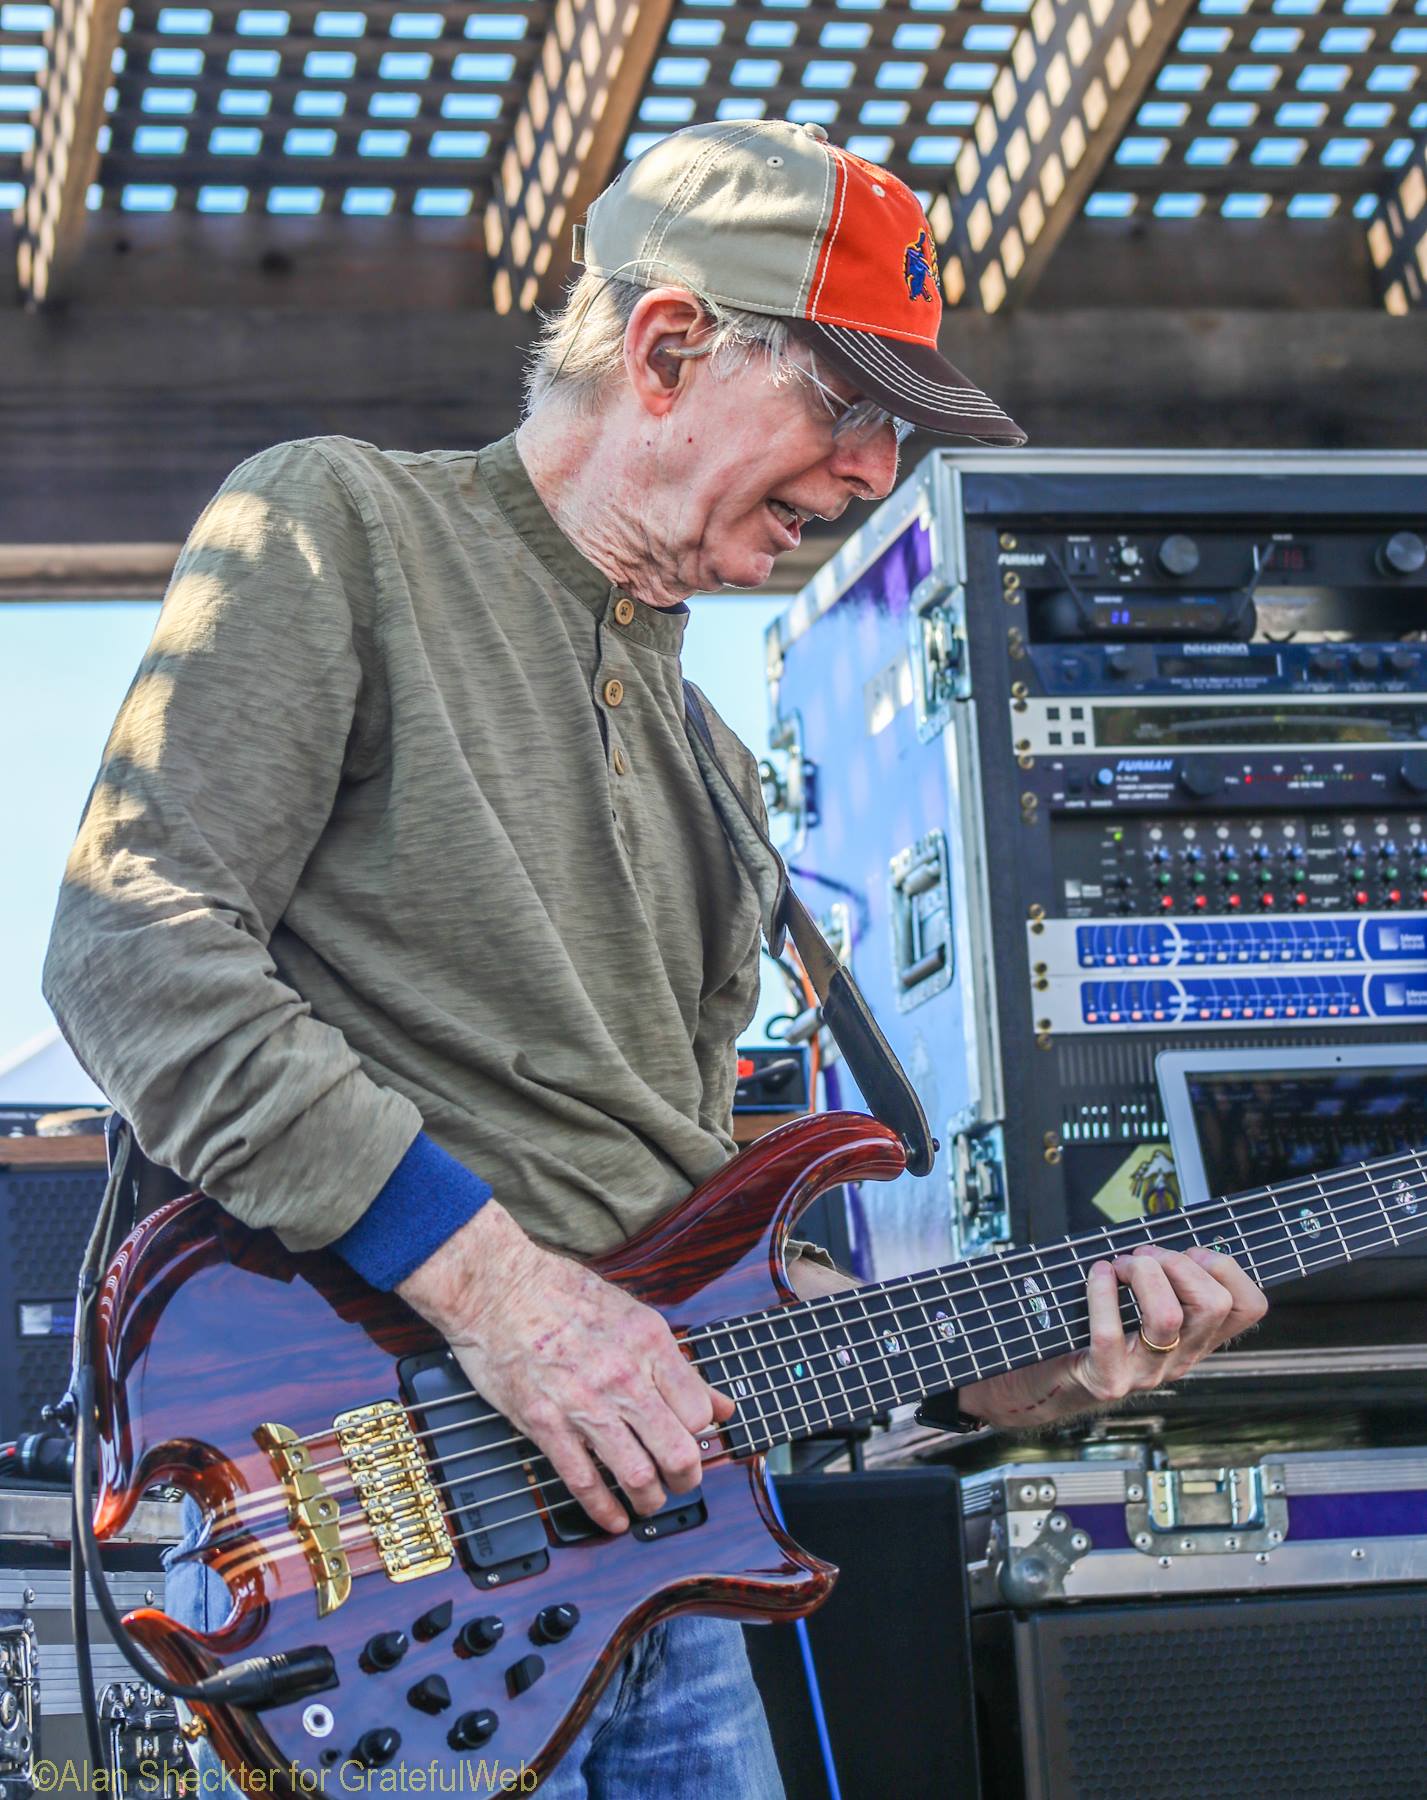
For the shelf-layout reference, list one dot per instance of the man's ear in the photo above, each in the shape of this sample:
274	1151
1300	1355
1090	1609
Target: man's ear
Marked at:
666	362
663	328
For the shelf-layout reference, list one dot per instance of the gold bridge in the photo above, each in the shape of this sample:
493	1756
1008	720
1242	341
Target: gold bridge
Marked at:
312	1512
395	1488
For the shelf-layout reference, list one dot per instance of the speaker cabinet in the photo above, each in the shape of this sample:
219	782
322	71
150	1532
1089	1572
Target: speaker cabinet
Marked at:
1320	1694
892	1647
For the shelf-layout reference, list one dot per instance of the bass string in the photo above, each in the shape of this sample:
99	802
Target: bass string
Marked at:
976	1316
1275	1192
783	1415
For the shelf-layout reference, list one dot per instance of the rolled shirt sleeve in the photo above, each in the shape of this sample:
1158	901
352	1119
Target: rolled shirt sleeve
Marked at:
217	780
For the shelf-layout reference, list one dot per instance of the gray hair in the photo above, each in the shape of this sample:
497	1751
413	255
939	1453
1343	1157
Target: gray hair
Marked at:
580	348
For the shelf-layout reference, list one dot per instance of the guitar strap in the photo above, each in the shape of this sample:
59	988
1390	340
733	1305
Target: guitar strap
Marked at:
869	1057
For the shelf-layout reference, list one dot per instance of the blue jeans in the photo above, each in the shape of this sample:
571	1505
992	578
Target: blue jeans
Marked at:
680	1720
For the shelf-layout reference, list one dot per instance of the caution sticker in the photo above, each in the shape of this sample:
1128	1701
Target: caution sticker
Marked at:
1145	1182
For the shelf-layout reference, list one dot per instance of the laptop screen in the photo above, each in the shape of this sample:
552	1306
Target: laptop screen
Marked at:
1267	1125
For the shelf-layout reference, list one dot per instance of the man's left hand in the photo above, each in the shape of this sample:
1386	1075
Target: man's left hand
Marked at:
1194	1300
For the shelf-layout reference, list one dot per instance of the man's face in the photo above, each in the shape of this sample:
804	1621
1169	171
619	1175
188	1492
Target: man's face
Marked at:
746	461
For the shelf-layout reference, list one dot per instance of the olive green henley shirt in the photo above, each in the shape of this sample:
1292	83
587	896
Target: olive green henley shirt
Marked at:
399	826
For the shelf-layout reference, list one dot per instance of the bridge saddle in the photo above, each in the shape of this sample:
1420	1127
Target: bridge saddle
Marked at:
394	1485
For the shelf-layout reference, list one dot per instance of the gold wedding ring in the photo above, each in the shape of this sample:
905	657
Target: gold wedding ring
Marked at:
1160	1349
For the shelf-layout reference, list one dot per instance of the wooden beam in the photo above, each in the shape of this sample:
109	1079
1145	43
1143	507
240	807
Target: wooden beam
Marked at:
64	158
567	139
117	426
1397	237
1054	116
85	571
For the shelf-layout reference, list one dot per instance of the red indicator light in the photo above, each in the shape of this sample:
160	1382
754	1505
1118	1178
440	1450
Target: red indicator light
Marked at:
1248	780
1394	896
1300	899
746	1067
1265	899
1233	900
1361	897
1201	901
1166	902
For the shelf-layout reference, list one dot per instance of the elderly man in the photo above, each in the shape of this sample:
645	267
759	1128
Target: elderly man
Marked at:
400	919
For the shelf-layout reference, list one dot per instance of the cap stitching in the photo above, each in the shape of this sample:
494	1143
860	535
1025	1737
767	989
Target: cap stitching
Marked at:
829	174
898	377
662	221
693	175
832	239
676	194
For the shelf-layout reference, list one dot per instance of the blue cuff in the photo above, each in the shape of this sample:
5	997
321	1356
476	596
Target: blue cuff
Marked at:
427	1198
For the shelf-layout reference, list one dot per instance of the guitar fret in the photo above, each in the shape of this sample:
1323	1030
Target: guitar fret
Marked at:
1050	1287
799	1370
895	1341
990	1313
745	1391
793	1370
848	1361
950	1329
862	1341
768	1400
832	1376
1381	1203
1333	1216
728	1374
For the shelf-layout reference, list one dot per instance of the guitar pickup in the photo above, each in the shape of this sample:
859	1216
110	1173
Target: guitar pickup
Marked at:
492	1497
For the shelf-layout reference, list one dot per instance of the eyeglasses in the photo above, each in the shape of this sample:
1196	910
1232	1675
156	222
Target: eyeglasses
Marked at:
856	420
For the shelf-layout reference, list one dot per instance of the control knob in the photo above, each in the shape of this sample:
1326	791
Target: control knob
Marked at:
1413	770
552	1623
472	1729
1401	662
1367	662
478	1636
1324	664
1127	556
1200	776
1179	555
1404	553
384	1651
1120	663
376	1748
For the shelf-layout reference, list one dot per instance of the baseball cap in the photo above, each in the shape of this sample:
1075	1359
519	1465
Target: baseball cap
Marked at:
769	216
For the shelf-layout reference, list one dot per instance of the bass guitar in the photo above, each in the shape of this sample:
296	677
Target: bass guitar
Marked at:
393	1539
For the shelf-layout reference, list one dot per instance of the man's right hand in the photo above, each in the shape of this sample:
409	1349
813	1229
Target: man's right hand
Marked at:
571	1361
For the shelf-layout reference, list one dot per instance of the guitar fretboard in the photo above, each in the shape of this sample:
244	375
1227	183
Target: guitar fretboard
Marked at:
823	1364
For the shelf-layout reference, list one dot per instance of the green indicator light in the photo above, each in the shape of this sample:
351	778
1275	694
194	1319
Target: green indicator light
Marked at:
1232	877
1117	837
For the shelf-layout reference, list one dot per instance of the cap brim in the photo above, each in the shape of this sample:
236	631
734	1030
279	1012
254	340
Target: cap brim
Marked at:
912	381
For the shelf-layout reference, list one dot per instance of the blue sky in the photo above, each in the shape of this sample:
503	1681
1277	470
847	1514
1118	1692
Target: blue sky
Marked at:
64	669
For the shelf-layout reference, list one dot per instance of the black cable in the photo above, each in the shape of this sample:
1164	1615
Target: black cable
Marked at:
79	1630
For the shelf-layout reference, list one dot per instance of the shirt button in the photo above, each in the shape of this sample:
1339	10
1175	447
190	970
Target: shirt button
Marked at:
621	767
613	691
623	610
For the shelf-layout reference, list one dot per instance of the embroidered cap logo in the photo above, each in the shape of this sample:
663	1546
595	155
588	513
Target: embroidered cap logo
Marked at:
919	268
